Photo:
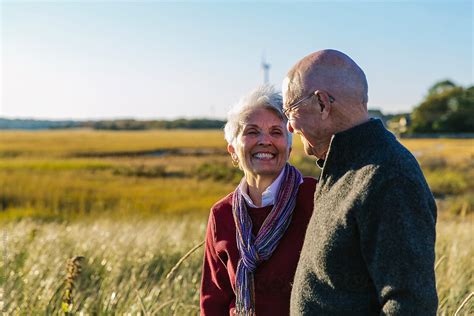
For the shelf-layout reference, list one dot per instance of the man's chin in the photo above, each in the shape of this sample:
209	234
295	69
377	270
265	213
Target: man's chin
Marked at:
308	150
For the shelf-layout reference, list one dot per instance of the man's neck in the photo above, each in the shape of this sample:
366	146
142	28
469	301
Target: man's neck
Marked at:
349	122
320	151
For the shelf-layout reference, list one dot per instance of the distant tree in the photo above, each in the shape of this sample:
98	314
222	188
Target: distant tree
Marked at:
446	109
441	87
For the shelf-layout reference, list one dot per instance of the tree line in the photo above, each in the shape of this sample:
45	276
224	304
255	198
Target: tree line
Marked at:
447	108
131	124
121	124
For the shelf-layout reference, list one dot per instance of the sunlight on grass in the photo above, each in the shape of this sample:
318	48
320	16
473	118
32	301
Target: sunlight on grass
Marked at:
134	203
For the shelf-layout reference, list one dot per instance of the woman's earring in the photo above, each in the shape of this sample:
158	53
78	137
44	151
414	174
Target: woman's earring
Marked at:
235	160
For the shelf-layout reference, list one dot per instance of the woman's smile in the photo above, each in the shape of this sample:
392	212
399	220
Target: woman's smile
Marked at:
264	156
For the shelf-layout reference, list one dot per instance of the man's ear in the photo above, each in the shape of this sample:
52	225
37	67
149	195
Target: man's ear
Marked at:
325	105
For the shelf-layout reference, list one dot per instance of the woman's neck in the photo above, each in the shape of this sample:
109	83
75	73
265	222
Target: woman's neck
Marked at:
256	187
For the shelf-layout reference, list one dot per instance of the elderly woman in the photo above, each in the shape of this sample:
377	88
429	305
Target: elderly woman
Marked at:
255	234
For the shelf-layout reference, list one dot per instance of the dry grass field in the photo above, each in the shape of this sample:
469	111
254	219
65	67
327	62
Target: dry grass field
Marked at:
131	204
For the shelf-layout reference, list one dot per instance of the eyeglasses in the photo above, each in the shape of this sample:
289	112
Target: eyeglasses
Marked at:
287	112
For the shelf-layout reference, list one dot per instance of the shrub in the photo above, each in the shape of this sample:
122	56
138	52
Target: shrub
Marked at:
433	163
219	172
141	171
444	182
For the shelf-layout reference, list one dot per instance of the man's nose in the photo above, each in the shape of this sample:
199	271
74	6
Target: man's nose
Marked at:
289	127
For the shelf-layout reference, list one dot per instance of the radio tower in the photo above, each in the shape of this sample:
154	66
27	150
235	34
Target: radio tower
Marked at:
266	71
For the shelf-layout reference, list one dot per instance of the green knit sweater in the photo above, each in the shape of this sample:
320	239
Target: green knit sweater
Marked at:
369	247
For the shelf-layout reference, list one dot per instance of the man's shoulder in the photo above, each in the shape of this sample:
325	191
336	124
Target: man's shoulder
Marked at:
390	160
389	163
400	162
396	168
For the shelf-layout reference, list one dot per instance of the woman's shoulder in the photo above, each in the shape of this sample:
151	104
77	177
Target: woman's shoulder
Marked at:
223	206
306	191
222	219
309	183
304	200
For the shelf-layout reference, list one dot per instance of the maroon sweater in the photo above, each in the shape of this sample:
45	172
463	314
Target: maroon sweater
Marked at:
273	278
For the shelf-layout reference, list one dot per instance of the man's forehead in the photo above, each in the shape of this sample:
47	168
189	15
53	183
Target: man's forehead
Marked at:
285	87
291	90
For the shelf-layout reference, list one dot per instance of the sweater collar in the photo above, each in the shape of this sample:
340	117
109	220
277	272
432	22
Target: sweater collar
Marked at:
349	145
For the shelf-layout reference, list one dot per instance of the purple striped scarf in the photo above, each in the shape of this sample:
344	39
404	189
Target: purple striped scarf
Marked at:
255	249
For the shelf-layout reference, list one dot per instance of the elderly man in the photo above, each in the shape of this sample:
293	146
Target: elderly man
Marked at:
369	247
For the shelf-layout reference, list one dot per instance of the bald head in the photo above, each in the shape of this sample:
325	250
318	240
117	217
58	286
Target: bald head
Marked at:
331	71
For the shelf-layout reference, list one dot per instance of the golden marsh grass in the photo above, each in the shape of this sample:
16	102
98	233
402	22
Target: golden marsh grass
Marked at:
133	215
66	143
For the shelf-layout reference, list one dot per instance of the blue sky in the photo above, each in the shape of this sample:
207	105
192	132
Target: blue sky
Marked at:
150	59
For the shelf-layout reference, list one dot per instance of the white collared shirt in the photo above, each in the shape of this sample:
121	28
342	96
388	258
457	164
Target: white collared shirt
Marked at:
269	195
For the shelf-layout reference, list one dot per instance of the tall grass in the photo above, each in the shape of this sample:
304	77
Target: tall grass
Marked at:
124	268
455	264
126	263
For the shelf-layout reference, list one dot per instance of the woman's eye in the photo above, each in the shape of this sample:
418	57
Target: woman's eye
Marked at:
277	132
251	132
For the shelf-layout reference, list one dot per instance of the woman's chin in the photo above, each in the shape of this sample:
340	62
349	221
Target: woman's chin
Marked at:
267	169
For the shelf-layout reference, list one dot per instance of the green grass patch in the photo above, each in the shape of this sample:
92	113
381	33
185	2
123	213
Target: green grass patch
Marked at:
71	193
219	171
447	182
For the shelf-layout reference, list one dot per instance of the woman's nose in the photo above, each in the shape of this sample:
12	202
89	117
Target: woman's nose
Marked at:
289	127
265	138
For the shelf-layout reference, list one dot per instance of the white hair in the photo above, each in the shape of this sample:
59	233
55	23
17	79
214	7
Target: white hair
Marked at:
263	96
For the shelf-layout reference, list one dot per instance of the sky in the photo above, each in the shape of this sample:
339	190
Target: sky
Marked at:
166	60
